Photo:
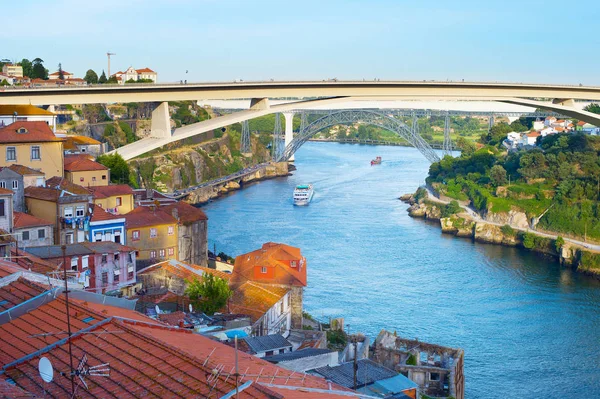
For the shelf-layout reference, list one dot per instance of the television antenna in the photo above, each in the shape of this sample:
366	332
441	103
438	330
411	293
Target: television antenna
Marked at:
100	370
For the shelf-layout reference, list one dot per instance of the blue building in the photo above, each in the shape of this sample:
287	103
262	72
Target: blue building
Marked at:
104	226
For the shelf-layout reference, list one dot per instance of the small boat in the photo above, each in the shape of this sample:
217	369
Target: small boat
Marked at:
376	161
303	194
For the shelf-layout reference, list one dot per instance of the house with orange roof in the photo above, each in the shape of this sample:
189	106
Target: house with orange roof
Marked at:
532	137
25	112
192	229
81	169
31	177
114	198
56	75
13	181
32	144
64	204
104	226
278	265
136	74
153	233
32	231
83	145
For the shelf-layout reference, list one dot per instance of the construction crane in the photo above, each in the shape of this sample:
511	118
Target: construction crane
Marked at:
108	55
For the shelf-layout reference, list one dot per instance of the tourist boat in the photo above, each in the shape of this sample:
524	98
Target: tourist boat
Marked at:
303	194
376	161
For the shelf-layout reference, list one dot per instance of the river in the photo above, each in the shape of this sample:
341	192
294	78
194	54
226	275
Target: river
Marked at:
529	328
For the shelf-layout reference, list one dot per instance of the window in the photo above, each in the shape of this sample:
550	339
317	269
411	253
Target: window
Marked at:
93	178
2	184
171	230
11	154
104	258
41	233
35	152
103	177
263	270
135	235
2	210
74	263
25	235
293	263
40	182
69	238
116	257
98	237
104	278
153	233
130	258
81	179
119	201
161	253
15	184
80	211
68	212
269	353
171	251
152	254
84	262
434	376
116	275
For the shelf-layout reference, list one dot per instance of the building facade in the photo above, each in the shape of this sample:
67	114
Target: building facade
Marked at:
153	233
32	231
192	227
115	198
12	70
81	170
105	226
13	181
32	144
31	177
20	113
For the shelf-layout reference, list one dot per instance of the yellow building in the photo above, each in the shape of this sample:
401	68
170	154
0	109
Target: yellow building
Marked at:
13	70
116	198
81	170
32	144
153	233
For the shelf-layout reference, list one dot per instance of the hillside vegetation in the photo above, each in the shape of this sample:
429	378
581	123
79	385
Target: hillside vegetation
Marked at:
562	177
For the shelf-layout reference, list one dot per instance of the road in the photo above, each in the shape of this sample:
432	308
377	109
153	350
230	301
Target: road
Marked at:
432	197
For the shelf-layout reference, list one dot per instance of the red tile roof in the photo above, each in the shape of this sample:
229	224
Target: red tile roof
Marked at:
147	216
9	391
42	193
534	134
24	220
35	132
276	256
255	299
186	213
79	163
17	292
6	191
144	70
7	268
32	262
24	170
66	185
73	141
185	271
100	215
110	190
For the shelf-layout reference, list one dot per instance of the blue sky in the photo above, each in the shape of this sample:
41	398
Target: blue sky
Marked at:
220	40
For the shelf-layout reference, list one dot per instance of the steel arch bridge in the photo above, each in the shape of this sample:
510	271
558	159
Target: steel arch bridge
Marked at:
352	116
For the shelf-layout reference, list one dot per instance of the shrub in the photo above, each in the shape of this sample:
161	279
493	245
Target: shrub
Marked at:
508	231
558	243
528	240
450	209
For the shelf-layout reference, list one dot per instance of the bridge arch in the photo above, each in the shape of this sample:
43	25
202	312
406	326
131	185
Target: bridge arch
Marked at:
352	116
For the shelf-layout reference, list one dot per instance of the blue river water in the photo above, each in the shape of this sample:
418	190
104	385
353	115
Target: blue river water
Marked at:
529	328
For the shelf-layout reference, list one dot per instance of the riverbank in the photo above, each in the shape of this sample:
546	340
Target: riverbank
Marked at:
508	229
206	194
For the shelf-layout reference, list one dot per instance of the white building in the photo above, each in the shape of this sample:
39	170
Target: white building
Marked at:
12	70
136	74
66	75
590	129
15	113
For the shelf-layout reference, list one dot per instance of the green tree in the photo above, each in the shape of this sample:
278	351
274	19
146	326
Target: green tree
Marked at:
112	79
4	83
91	77
102	79
38	70
209	294
593	107
450	209
61	73
498	175
27	67
467	147
558	243
528	240
119	169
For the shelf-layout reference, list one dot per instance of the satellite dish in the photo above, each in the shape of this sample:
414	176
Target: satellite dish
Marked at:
191	309
157	309
46	370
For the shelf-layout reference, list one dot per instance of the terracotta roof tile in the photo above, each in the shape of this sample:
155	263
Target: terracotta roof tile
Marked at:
24	220
78	163
17	292
100	215
66	185
35	132
24	170
275	256
72	141
144	70
6	191
185	271
147	216
31	262
111	190
186	213
42	193
10	391
255	299
7	268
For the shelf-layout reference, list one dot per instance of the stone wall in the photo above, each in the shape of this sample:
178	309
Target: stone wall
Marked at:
296	302
193	243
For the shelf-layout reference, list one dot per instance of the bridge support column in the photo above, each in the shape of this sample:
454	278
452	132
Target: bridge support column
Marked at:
161	122
289	130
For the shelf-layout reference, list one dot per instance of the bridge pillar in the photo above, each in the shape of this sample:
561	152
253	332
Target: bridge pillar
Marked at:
289	130
161	122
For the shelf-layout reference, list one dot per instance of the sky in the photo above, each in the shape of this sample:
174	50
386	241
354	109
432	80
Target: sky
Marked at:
222	40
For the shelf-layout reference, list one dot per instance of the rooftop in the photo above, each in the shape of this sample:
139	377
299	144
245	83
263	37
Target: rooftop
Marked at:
267	343
24	220
185	271
24	170
28	132
147	216
255	299
6	191
299	354
186	213
368	372
66	185
72	141
82	248
23	109
111	190
100	215
79	163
